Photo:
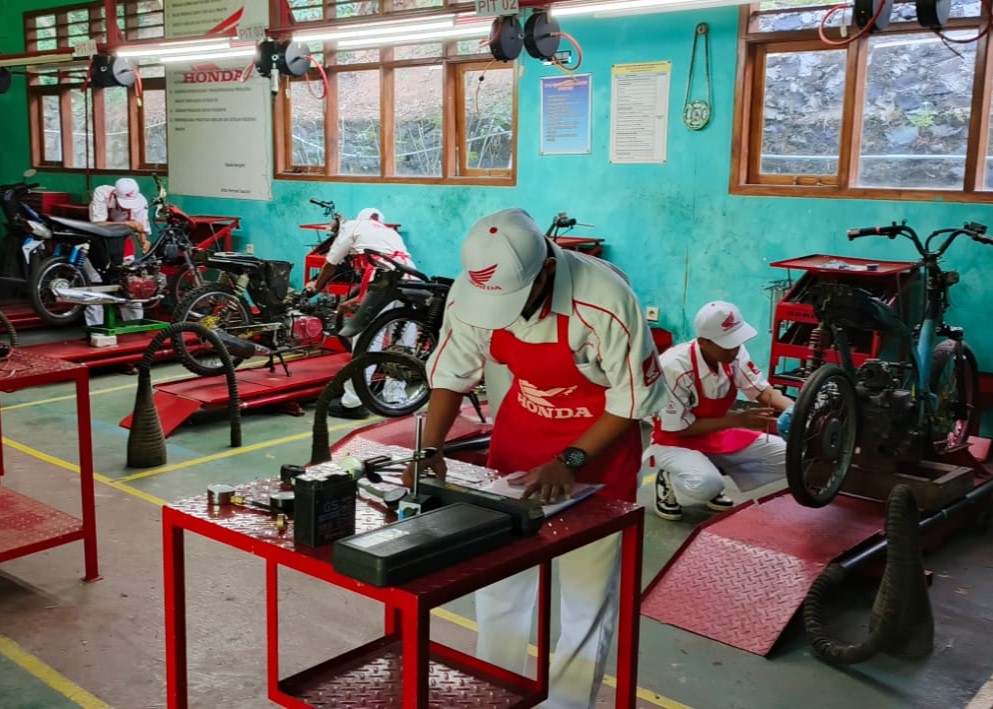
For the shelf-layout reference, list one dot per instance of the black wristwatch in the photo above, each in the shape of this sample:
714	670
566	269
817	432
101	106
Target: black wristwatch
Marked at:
573	458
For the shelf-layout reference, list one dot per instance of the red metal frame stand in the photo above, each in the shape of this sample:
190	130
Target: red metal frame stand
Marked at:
26	525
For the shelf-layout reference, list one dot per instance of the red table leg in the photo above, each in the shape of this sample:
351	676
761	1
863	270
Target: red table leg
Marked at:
544	631
174	595
86	475
272	625
416	628
628	618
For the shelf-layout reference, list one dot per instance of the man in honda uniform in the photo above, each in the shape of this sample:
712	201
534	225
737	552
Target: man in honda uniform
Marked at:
569	335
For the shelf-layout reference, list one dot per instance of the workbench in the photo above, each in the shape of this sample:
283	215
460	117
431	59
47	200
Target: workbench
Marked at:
404	667
27	525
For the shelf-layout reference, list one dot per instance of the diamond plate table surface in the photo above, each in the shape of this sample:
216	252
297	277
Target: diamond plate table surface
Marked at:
24	368
740	578
25	522
375	683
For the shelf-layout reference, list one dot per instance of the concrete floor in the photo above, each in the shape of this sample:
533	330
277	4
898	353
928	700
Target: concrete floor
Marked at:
64	642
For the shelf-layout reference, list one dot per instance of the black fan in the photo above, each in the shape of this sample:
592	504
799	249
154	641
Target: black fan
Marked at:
506	38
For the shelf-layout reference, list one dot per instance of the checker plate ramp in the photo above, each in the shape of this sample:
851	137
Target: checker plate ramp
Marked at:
741	576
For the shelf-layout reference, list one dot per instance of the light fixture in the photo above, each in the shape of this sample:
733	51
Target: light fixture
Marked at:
623	8
231	53
364	29
165	49
466	31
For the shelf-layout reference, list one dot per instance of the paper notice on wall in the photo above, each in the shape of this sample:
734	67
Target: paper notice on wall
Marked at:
219	126
639	112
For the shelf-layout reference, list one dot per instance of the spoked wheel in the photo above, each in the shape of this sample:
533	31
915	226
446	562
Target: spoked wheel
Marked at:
394	383
403	331
955	384
185	279
56	272
216	307
822	436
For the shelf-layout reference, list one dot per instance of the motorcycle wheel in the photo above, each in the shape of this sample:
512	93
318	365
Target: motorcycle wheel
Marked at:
216	307
185	279
823	436
56	268
390	389
956	386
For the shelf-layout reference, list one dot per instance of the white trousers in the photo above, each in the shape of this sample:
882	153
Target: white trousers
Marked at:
93	314
589	579
350	399
696	477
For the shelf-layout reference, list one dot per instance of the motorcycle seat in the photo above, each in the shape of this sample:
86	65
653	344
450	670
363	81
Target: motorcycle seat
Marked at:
235	262
113	231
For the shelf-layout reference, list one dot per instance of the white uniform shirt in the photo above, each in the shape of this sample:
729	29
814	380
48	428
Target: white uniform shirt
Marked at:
104	208
358	235
680	397
608	335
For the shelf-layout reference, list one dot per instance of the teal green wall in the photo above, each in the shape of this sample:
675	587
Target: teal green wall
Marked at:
673	228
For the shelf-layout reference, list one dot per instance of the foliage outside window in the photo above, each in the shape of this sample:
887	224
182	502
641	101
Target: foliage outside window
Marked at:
901	113
414	112
101	128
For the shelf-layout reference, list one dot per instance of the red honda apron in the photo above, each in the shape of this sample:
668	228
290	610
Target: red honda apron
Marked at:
550	404
730	440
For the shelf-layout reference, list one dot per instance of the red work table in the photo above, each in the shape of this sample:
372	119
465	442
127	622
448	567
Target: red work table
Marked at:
404	667
26	525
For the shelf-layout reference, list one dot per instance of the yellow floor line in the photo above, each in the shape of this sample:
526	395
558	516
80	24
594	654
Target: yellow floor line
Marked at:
95	392
35	667
119	484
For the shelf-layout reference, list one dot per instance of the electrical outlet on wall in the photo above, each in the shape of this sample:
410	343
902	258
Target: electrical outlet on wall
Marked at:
249	248
652	313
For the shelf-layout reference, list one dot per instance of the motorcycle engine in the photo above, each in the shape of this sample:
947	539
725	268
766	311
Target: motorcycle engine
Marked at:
142	283
886	408
306	329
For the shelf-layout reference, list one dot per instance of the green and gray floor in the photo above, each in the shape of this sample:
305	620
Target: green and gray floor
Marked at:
64	642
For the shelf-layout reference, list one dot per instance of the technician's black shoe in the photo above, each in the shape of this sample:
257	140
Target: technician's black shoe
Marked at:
666	506
720	503
338	411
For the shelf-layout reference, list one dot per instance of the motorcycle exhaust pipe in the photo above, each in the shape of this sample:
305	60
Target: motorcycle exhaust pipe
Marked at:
236	347
87	297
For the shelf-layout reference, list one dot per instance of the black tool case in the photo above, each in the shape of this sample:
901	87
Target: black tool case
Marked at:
412	547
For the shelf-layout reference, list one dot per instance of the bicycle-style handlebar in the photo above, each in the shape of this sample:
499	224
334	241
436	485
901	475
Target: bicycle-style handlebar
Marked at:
375	256
562	221
974	230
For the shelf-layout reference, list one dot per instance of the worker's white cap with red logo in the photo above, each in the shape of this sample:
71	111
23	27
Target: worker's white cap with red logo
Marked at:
501	257
722	324
127	194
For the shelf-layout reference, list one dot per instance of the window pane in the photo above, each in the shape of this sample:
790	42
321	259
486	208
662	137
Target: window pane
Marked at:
307	123
357	56
51	118
358	123
489	119
115	116
344	8
418	114
801	113
82	131
307	10
916	121
419	51
153	114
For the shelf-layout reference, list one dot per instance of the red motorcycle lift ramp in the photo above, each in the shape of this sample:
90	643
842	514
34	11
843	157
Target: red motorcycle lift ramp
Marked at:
741	575
22	316
128	350
179	400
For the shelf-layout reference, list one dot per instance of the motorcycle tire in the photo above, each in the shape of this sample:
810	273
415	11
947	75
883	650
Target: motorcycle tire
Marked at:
43	299
185	279
823	436
196	354
956	386
388	389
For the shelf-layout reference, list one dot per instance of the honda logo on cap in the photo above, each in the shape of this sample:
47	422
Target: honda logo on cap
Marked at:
729	322
482	277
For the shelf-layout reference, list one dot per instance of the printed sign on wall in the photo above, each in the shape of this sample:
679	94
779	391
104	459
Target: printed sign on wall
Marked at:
565	114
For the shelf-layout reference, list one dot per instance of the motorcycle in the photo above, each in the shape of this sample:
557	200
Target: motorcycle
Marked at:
253	310
175	248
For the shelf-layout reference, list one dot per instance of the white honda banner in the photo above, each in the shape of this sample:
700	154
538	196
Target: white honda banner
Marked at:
219	121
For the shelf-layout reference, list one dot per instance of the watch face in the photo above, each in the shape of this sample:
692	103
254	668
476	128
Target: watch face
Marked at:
574	457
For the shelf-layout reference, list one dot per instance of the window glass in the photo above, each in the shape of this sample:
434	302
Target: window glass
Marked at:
915	125
51	119
358	123
82	131
357	56
307	10
307	123
801	113
153	114
419	51
489	119
115	117
418	120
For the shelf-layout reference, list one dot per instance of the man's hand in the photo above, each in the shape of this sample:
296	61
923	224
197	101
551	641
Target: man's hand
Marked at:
310	287
144	242
548	482
436	464
347	307
758	419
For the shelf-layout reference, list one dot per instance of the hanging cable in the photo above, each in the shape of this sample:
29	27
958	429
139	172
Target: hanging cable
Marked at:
138	90
579	53
861	33
324	79
479	86
986	5
247	71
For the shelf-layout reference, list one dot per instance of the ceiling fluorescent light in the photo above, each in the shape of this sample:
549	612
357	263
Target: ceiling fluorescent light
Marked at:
467	31
634	7
410	24
670	6
232	53
165	50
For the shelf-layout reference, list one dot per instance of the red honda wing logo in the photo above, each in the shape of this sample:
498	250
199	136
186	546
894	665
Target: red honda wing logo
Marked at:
650	369
481	277
728	322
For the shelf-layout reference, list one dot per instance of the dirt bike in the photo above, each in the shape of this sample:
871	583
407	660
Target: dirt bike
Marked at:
253	310
916	400
174	247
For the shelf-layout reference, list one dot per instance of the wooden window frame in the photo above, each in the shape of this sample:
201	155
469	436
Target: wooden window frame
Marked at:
746	142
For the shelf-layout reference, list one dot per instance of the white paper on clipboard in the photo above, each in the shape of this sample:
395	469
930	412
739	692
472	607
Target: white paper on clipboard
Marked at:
503	486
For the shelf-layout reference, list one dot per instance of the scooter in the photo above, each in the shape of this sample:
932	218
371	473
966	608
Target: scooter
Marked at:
25	245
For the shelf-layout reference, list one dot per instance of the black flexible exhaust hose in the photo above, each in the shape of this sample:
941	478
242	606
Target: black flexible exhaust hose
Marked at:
146	441
8	327
320	450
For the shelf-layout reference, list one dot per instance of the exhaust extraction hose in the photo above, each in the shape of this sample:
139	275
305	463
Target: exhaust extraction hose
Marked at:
8	327
146	441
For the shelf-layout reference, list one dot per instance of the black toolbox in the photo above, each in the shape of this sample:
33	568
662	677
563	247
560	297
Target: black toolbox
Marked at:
412	547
